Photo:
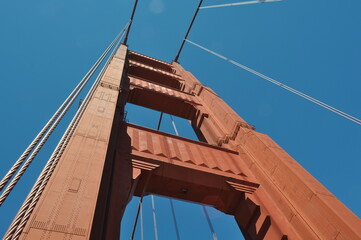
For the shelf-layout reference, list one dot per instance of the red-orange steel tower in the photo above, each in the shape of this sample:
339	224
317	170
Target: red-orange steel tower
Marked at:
236	169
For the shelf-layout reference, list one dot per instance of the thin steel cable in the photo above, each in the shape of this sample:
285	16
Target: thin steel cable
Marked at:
18	223
189	29
35	194
136	218
152	196
131	21
139	207
141	223
203	207
239	3
22	216
154	219
303	95
29	160
40	135
63	146
171	200
160	121
174	219
174	126
209	223
140	204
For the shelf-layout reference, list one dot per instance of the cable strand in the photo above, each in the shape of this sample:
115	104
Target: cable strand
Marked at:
303	95
22	216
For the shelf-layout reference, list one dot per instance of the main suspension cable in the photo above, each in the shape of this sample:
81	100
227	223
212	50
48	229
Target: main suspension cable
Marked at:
131	22
22	216
303	95
189	29
22	170
55	116
239	3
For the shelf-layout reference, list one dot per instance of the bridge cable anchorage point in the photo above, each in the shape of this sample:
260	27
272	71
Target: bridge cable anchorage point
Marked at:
271	80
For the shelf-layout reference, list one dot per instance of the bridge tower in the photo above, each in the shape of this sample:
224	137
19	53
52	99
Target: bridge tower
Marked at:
233	168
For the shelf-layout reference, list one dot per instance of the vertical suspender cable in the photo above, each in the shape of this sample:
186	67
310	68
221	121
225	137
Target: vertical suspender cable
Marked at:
139	207
136	217
209	223
154	219
160	121
174	126
171	200
203	207
153	205
141	223
174	219
22	216
189	29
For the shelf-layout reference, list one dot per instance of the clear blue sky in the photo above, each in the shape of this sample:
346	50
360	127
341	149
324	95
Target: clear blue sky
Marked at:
314	46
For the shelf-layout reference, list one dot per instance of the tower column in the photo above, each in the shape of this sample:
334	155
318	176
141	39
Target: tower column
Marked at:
68	204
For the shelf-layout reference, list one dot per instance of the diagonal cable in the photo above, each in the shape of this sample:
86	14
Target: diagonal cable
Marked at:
303	95
22	170
50	123
189	29
239	3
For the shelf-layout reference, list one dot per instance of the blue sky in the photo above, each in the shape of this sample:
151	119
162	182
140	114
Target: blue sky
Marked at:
314	46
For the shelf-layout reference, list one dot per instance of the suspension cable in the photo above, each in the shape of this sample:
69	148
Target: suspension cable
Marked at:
22	216
154	219
160	120
140	204
239	3
152	196
189	29
22	170
174	219
141	223
136	217
131	22
171	200
40	135
209	223
203	207
305	96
